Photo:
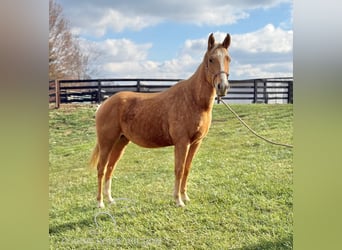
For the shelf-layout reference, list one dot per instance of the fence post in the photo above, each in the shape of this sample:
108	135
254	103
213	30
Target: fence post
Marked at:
290	92
99	95
265	91
138	85
58	94
255	97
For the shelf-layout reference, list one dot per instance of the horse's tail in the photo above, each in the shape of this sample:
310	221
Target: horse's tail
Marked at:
94	157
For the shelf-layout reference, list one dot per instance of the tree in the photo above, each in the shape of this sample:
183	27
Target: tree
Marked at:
66	59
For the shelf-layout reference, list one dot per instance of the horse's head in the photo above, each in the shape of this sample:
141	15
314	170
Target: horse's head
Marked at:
217	62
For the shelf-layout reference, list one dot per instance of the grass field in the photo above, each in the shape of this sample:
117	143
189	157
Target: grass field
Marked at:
240	187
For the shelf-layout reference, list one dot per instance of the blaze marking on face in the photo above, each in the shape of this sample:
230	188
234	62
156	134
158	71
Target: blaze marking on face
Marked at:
223	61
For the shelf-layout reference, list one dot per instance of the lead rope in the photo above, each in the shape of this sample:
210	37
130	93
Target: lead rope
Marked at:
250	129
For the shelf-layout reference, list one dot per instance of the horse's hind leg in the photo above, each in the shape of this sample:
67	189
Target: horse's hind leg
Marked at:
115	155
105	144
101	167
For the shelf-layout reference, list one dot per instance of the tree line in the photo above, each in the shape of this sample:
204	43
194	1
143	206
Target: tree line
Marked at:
66	58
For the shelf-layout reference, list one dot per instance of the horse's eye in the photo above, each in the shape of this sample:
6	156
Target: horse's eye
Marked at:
211	60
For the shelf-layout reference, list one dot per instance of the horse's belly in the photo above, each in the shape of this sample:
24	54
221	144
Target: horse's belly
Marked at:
149	141
145	125
148	134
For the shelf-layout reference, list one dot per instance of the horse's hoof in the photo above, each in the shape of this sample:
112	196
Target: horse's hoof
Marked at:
101	205
180	204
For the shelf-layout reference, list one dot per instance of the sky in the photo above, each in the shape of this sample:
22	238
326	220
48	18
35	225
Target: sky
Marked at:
168	39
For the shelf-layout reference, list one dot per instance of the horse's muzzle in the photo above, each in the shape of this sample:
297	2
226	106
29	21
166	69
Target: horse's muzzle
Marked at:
222	88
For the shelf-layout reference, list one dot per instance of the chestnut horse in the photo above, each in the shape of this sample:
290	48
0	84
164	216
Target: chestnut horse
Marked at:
179	116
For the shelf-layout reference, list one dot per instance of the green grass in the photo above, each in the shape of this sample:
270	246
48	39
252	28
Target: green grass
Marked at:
240	187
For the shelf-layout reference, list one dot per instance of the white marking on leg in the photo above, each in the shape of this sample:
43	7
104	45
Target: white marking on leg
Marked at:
108	191
185	197
178	200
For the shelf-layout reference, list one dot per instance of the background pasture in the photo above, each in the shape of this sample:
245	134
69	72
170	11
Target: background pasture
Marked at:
240	186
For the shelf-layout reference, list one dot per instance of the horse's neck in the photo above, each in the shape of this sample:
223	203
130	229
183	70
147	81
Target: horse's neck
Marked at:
202	91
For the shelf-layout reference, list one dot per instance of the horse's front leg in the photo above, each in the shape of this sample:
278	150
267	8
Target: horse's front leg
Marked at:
192	151
181	152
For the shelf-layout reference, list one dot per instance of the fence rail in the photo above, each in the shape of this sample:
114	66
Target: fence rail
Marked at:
265	90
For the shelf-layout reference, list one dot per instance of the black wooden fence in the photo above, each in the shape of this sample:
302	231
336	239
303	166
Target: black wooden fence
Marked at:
265	90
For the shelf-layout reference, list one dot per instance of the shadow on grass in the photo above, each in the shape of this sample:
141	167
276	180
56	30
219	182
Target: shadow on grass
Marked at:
56	229
285	243
95	220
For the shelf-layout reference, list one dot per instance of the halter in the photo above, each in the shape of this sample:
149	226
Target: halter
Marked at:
214	75
220	72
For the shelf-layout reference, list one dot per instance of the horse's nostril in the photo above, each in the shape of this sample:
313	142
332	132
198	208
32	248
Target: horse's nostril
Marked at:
219	86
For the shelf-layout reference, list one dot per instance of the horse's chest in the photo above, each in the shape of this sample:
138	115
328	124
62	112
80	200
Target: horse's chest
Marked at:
200	128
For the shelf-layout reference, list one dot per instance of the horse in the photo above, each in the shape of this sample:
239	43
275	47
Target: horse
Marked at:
179	116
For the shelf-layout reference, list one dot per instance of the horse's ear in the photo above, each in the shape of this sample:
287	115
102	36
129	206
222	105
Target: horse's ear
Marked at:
226	41
211	41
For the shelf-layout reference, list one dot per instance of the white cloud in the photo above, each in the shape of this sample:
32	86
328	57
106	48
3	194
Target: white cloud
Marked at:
117	50
114	56
263	53
245	71
267	39
99	17
174	68
266	52
123	58
110	20
124	50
